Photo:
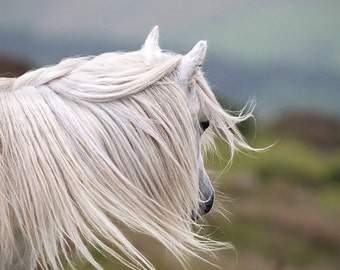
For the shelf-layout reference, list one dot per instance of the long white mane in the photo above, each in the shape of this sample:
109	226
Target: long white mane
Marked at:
96	145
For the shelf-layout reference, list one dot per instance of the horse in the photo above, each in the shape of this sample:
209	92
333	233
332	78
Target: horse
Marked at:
95	145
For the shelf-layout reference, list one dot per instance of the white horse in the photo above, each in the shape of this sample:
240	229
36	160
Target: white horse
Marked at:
95	145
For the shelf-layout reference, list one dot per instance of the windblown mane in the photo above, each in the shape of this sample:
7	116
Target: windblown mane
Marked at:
96	144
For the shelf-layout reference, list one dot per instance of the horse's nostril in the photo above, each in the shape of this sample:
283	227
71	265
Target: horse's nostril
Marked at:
207	205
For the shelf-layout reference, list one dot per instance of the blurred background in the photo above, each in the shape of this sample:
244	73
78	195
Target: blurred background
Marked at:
284	204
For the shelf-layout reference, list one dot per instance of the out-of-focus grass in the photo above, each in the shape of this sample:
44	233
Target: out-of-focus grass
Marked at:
286	208
281	222
290	158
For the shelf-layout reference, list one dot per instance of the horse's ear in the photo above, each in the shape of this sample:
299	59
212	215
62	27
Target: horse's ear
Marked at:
193	60
151	42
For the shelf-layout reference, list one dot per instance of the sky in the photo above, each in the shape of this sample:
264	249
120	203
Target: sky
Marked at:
248	28
292	41
104	19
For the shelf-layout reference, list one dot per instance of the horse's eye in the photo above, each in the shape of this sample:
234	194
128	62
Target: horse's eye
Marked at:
204	125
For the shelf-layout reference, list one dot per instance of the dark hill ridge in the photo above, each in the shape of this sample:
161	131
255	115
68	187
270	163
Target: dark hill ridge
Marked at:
322	131
13	67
